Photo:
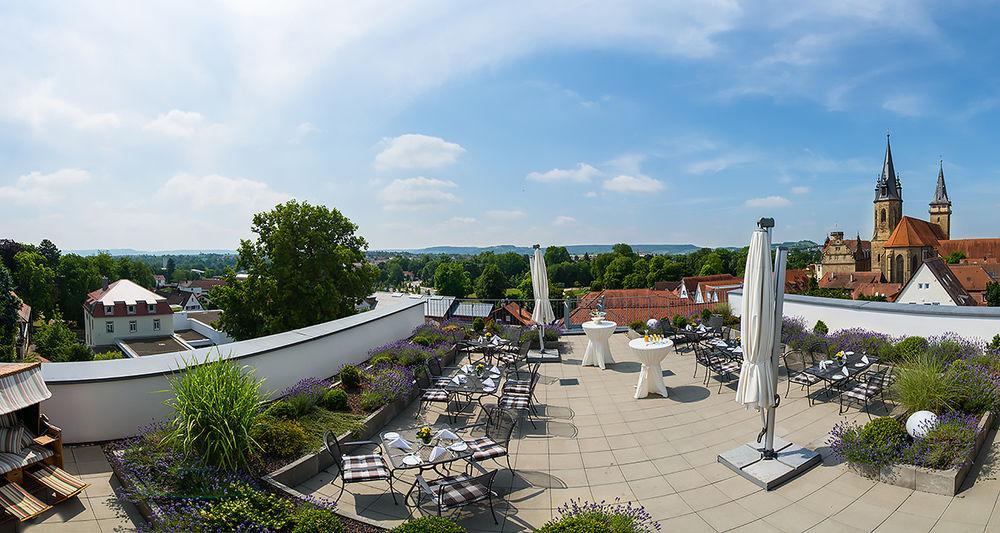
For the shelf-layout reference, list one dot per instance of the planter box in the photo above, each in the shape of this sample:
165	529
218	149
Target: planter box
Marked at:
945	482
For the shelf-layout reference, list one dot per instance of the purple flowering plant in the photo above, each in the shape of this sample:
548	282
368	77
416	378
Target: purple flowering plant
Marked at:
579	515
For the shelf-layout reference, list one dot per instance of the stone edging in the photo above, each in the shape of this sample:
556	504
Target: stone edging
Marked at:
944	482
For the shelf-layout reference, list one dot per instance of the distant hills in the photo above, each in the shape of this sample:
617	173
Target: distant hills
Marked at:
574	249
132	252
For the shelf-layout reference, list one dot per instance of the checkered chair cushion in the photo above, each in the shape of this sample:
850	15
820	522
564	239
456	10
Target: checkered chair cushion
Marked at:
862	391
484	448
434	395
804	379
728	366
517	387
514	402
364	468
508	358
456	491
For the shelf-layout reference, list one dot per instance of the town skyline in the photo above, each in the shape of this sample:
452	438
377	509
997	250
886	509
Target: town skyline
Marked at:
526	125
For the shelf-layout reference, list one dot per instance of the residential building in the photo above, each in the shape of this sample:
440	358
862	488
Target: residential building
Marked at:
934	283
512	313
715	291
125	310
200	286
469	311
624	306
159	280
976	277
438	308
688	288
845	255
182	300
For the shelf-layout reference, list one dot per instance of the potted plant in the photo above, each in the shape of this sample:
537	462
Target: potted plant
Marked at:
425	435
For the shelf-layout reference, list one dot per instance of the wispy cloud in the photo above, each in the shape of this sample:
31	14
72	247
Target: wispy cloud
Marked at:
720	163
417	151
768	201
582	173
905	105
633	184
504	214
563	220
39	187
800	189
414	194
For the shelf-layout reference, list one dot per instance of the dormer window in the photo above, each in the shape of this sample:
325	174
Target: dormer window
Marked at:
131	309
109	309
151	309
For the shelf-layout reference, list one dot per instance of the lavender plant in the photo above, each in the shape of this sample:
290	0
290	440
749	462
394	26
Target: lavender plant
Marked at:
947	443
578	515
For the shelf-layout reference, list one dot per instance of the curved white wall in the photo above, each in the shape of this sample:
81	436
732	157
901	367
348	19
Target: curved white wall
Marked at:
890	318
103	400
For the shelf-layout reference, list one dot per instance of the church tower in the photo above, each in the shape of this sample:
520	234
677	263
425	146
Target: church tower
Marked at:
940	210
888	210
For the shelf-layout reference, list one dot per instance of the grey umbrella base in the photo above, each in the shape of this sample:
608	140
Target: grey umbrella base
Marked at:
792	461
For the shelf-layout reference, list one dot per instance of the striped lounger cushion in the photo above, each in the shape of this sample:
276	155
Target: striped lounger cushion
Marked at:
16	501
31	454
59	480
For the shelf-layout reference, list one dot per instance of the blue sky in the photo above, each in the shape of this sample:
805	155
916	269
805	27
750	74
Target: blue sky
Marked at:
445	123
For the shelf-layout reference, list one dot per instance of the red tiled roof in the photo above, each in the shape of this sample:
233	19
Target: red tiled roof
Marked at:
889	290
669	286
204	284
628	305
911	232
691	282
24	311
974	249
973	278
517	312
848	280
796	280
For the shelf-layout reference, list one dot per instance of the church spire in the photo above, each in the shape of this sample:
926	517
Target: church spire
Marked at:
887	187
941	192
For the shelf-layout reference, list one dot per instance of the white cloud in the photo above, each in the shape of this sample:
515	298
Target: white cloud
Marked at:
905	105
626	183
38	187
417	193
718	164
582	173
800	189
459	221
590	194
563	220
413	150
302	131
176	123
216	193
768	201
500	214
40	109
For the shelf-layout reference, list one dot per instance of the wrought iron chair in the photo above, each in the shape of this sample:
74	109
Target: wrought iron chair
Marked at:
431	393
863	391
358	468
724	366
452	492
495	442
796	363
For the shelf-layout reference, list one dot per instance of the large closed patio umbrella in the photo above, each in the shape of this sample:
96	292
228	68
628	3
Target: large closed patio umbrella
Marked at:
756	385
542	314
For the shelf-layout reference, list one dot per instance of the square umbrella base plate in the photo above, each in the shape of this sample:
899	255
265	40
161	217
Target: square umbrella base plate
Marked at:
792	461
551	355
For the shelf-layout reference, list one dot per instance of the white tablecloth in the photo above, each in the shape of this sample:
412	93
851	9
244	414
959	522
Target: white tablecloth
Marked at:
598	349
650	354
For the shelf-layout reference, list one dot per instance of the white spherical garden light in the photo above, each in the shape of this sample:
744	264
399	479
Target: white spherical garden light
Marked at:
919	423
652	323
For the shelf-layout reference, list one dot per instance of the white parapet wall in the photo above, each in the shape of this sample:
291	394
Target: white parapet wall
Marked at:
890	318
103	400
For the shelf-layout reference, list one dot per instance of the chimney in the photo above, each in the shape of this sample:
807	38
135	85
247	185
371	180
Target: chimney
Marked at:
104	280
852	278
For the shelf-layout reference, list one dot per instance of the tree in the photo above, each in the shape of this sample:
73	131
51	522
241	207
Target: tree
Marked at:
50	253
623	249
955	257
450	279
8	249
557	254
993	294
491	284
171	267
36	282
76	276
137	271
395	275
306	266
614	276
9	305
711	265
56	342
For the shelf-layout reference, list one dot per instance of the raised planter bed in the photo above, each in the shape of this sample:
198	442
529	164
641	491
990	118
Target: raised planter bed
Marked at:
945	482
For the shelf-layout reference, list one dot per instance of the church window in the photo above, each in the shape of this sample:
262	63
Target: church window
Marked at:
883	216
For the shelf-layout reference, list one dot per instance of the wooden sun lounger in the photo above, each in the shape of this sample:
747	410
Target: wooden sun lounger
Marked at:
64	484
19	503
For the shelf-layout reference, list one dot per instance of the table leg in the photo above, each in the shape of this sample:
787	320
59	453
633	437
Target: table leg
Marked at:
656	380
606	353
588	356
642	388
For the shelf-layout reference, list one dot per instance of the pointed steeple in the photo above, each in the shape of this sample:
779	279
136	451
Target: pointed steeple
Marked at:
941	192
887	187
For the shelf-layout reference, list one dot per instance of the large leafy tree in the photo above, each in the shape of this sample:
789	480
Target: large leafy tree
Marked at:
137	271
614	276
36	282
9	304
76	277
450	279
556	254
50	252
491	284
306	266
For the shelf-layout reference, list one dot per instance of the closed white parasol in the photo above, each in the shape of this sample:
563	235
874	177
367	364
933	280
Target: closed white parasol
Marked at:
542	314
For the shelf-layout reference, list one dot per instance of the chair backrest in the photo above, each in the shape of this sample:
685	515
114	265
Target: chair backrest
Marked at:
422	375
715	321
334	449
499	425
535	367
879	378
434	365
795	362
525	346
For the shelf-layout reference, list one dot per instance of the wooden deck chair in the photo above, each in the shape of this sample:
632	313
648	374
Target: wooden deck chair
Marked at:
19	503
64	484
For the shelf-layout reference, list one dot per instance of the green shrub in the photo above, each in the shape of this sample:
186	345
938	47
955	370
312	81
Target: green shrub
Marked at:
591	522
820	328
215	406
706	314
309	519
878	443
108	355
280	437
638	326
888	353
976	390
946	350
351	377
281	409
382	358
994	344
55	342
335	400
948	444
680	321
911	347
478	324
372	400
248	506
883	429
411	356
922	385
428	524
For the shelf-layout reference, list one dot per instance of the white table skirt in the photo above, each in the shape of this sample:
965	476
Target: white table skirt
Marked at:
598	349
650	354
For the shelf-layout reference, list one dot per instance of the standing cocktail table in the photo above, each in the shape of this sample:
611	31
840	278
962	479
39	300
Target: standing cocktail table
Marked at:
650	354
598	350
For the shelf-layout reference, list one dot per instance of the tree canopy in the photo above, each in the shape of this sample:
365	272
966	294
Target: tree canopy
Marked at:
491	284
306	266
9	304
451	279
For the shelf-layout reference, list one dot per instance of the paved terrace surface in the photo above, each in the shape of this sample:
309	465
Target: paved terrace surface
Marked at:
596	442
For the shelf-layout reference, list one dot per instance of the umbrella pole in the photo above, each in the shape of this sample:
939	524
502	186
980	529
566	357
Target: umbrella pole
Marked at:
779	298
541	338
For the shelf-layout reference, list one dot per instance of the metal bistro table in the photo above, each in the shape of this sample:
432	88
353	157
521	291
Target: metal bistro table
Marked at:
418	457
833	374
469	384
651	354
598	350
